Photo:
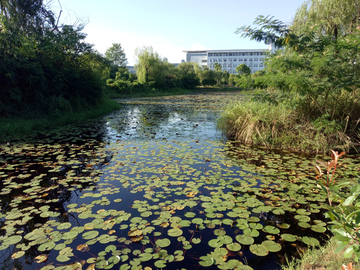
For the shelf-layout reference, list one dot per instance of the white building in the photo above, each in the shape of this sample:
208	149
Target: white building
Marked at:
229	59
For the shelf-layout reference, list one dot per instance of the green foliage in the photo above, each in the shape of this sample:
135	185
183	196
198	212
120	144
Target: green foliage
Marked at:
150	66
116	55
45	69
346	215
186	76
243	69
270	31
327	18
161	76
217	67
208	82
345	223
321	71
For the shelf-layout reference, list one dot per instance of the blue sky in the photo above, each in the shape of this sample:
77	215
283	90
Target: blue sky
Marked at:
172	26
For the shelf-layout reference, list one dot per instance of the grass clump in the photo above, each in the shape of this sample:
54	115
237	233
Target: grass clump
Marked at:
320	259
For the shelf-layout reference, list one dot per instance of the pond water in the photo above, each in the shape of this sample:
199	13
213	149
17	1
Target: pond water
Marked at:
156	185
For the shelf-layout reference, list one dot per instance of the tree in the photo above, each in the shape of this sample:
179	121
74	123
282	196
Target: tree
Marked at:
217	67
332	18
150	66
26	16
271	31
225	77
44	69
116	55
218	73
207	76
186	75
243	69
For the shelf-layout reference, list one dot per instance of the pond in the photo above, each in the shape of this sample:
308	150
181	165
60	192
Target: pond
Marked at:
156	186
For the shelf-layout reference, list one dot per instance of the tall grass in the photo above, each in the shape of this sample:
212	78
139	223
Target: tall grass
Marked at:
280	126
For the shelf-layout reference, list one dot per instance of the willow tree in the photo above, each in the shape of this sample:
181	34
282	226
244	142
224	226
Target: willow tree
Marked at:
327	18
150	65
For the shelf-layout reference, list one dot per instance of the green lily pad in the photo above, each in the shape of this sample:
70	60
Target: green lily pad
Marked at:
304	225
206	261
46	246
160	264
163	242
12	240
215	243
90	235
271	230
288	237
64	226
317	228
175	232
233	247
259	250
244	239
272	246
70	235
310	241
196	240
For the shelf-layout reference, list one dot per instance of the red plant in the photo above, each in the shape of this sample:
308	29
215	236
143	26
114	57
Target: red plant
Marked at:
330	165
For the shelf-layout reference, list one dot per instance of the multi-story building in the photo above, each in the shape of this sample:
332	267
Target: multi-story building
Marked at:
229	59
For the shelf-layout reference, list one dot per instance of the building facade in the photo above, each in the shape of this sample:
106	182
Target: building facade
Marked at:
229	59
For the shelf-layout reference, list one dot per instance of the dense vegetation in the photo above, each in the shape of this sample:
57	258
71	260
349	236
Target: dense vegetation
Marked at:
310	86
45	69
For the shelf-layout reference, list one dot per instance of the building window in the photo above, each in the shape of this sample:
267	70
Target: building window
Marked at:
245	59
250	59
261	65
224	59
235	60
256	59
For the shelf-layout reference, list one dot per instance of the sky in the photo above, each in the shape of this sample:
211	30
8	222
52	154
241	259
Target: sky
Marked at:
171	26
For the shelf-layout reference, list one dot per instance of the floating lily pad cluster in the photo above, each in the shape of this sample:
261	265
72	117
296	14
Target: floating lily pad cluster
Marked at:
173	199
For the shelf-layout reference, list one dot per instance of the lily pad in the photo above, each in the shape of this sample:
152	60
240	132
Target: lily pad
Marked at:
259	250
90	235
163	242
244	239
272	246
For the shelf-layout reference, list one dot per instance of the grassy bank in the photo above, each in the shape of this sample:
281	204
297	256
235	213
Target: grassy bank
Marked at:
283	125
17	127
320	259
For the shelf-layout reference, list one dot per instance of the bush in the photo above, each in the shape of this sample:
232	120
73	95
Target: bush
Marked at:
208	82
